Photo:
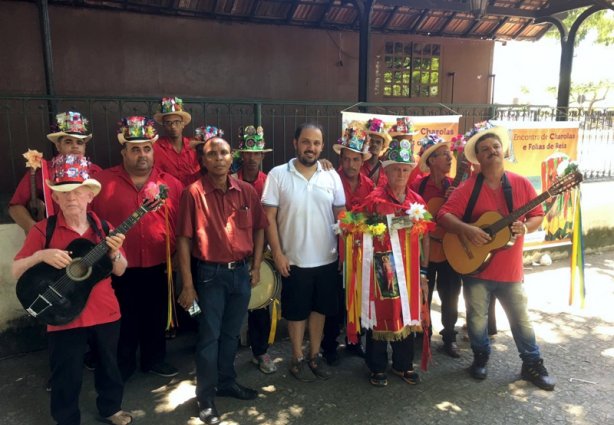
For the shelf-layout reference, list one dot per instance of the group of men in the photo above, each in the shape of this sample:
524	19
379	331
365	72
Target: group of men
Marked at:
214	226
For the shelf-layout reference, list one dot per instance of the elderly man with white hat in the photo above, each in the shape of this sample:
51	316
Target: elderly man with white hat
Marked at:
70	134
73	190
144	290
495	189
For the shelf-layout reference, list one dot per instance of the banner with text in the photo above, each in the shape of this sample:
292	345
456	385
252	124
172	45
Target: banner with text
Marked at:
536	151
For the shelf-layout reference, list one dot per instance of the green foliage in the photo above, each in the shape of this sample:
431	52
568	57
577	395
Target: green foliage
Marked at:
602	23
587	94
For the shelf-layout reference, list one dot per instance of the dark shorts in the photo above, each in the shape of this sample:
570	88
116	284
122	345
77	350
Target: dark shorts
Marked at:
309	289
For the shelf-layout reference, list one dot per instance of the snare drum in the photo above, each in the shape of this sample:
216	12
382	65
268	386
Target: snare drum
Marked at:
269	287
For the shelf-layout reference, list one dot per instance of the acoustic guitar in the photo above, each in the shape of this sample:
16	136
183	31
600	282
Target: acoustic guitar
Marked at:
433	205
58	296
467	258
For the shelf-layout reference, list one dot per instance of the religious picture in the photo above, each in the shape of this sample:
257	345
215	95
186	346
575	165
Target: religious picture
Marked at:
385	275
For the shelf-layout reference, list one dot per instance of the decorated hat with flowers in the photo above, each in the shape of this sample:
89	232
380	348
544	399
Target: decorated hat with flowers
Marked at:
251	139
207	132
376	127
69	172
479	130
399	152
354	139
71	124
402	129
172	106
137	129
428	146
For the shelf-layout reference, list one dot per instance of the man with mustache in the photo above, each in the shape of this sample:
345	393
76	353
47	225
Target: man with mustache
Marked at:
302	202
251	150
143	290
435	162
221	224
353	151
495	189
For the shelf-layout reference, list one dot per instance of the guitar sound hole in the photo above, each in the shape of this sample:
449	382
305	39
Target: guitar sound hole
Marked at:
78	270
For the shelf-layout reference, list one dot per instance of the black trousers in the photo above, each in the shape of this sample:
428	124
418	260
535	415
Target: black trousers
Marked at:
448	283
66	350
376	354
333	324
258	329
143	298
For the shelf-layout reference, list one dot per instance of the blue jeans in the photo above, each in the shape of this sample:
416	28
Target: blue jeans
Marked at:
223	296
513	299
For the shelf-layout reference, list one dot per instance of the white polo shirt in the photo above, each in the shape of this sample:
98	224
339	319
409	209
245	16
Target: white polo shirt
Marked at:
305	213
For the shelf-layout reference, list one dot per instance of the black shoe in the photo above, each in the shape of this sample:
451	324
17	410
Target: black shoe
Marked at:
238	391
478	367
208	413
451	349
48	385
331	357
355	350
536	373
89	361
163	369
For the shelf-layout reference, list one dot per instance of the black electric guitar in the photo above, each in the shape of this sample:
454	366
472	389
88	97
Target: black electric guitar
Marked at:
57	296
467	258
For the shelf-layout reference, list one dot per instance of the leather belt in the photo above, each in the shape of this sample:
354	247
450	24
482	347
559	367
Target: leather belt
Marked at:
230	266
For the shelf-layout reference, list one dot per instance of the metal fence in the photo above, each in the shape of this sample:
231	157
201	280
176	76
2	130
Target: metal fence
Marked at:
24	123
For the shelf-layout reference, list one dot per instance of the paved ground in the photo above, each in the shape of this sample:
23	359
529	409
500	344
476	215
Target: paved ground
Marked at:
578	347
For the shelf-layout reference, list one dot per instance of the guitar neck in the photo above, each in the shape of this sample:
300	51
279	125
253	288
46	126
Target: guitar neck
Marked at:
507	220
33	185
102	248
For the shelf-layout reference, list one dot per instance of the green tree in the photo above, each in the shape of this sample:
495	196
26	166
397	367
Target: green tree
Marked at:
601	22
586	95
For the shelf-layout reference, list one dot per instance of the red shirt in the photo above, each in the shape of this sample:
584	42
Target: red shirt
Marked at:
365	186
145	243
382	179
257	184
101	306
220	224
506	264
183	166
430	190
22	193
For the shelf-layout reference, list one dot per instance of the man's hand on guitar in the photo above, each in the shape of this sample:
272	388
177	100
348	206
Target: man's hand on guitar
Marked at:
114	243
475	235
57	258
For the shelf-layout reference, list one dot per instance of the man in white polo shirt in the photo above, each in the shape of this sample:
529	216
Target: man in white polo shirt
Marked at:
302	202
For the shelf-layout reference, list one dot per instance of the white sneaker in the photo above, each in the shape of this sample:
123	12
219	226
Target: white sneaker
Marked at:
265	364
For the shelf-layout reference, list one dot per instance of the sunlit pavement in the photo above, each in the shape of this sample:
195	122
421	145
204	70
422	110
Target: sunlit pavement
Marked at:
577	345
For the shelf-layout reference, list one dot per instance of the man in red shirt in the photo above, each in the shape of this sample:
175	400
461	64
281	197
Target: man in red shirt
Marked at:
173	152
221	223
99	320
434	187
143	290
353	151
501	191
69	134
252	150
378	144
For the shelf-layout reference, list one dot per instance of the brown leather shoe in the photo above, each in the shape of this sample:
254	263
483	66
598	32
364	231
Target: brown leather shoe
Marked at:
451	349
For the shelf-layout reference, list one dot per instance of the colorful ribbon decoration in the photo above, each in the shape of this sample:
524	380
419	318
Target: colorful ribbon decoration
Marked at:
171	317
275	317
577	254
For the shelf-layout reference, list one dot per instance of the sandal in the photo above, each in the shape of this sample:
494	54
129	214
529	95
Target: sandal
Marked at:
119	418
409	376
378	379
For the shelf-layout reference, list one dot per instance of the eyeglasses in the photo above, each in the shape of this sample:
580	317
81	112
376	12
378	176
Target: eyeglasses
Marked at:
173	123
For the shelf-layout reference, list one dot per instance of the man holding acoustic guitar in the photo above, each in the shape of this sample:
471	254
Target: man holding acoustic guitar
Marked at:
494	191
68	332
